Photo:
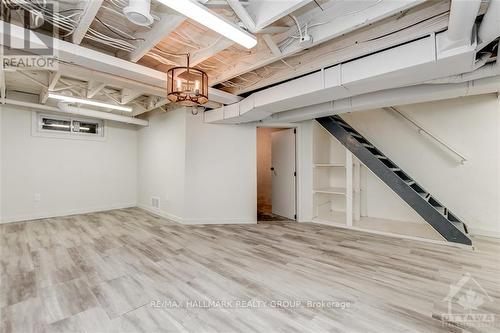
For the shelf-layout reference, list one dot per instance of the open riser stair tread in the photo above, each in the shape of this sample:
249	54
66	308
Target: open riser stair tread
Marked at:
430	209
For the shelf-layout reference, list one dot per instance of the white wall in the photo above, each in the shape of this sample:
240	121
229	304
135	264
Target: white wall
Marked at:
471	125
161	162
203	173
221	172
71	176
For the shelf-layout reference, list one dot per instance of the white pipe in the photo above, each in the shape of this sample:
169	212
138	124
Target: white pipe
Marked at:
390	97
489	29
64	108
462	17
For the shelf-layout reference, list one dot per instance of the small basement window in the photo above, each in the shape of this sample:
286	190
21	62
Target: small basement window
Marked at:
86	127
62	126
52	124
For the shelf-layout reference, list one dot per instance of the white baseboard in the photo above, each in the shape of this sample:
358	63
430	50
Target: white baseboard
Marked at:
160	213
235	220
486	233
61	213
196	221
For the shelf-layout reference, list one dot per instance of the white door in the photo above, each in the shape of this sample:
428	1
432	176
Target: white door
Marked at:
283	171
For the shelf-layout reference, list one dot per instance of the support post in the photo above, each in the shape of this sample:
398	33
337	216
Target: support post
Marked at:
357	190
349	188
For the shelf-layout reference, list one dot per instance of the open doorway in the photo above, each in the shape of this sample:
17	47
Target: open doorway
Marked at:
276	174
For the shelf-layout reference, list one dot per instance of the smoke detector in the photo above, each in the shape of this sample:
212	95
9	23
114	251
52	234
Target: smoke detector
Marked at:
138	12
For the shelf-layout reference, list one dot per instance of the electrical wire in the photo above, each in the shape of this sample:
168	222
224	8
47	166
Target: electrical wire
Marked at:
69	23
290	40
180	55
297	24
118	32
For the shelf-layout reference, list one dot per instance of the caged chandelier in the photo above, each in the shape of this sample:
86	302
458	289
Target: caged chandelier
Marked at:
187	86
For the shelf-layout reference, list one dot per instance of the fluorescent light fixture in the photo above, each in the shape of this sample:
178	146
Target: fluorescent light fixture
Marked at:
90	102
199	13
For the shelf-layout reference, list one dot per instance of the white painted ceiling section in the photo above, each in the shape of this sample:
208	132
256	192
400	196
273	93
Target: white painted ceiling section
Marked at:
350	86
327	30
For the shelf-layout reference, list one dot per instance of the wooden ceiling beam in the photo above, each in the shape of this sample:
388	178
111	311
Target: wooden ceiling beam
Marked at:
52	82
242	14
160	30
94	87
272	45
219	45
89	12
264	13
128	95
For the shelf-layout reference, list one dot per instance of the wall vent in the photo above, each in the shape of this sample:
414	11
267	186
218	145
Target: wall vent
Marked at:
155	202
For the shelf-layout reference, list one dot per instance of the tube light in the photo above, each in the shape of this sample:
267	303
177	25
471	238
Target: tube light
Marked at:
90	102
203	16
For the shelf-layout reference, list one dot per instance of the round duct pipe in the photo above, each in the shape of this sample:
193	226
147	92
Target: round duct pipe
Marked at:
138	12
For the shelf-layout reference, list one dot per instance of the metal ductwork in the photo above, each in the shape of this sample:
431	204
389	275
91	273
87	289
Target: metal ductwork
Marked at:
489	30
399	96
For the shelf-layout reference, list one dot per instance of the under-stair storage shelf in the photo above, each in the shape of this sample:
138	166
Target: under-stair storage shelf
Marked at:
330	190
329	165
332	179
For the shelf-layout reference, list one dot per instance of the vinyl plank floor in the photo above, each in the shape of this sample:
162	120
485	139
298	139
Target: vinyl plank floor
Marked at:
130	271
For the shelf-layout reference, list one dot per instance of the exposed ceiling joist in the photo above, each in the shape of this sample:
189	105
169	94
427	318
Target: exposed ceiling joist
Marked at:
52	82
385	34
88	15
321	33
201	55
128	95
167	24
265	13
94	87
243	15
75	54
106	68
272	45
153	103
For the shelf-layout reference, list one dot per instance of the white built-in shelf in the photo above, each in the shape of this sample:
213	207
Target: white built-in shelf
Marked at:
327	165
331	217
330	190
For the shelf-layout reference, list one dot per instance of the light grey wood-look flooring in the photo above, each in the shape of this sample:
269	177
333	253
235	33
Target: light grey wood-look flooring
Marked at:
100	272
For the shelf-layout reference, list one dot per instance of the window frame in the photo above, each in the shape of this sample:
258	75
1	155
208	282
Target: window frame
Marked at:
38	130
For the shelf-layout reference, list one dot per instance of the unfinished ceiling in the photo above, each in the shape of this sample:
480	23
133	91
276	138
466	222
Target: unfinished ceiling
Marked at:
294	38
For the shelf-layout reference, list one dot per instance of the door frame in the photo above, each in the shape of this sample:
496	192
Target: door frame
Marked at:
298	166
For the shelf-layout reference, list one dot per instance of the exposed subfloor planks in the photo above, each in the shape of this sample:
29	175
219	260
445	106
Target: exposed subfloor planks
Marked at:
100	272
